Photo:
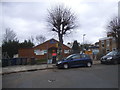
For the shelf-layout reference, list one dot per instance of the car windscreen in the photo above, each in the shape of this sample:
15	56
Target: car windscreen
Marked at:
73	56
112	53
70	56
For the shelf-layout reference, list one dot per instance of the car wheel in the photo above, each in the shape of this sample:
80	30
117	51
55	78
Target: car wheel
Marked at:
66	66
115	62
89	64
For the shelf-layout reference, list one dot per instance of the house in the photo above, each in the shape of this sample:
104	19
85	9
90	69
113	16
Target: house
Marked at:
44	50
107	44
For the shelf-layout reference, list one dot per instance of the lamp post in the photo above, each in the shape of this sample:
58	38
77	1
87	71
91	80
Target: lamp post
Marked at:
47	55
83	41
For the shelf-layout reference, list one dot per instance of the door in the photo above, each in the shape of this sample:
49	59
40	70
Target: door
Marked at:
75	60
83	59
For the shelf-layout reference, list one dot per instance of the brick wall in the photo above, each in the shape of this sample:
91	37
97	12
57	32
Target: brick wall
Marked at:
26	52
29	52
107	48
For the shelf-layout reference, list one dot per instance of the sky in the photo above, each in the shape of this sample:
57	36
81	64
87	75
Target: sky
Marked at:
28	18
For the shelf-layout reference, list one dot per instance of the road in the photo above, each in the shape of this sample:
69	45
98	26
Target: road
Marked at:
98	76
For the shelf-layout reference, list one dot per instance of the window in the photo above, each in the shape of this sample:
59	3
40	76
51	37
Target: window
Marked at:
69	57
107	43
66	51
112	53
76	57
102	43
83	56
113	40
45	51
107	50
39	52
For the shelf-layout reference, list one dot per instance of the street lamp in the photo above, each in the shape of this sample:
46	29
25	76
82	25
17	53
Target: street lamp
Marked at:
83	41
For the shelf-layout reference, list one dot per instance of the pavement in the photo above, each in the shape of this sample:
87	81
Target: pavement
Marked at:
24	68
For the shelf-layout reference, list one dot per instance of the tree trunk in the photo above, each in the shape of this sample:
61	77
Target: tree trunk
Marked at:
60	46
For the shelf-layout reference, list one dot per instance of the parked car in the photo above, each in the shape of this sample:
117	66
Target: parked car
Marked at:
75	60
112	57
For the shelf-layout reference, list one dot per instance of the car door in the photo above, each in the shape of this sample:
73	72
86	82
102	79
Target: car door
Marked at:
75	60
83	59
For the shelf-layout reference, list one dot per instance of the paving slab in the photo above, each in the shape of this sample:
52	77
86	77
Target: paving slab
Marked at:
23	68
96	61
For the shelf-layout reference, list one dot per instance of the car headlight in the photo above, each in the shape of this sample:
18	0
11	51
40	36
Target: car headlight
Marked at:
109	58
59	62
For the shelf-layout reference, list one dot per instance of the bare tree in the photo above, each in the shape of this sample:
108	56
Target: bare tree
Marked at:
9	35
40	39
114	27
62	20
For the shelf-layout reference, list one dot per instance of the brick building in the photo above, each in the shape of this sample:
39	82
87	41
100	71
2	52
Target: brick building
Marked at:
107	44
44	50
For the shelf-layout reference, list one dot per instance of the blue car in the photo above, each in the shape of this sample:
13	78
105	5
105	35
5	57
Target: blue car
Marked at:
75	60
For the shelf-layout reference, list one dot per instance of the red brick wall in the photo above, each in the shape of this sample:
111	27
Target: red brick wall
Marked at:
30	51
26	52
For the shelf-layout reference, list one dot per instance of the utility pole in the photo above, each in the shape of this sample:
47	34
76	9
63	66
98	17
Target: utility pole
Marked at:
83	41
47	54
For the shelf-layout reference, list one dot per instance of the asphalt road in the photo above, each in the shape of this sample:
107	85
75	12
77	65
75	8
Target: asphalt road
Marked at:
98	76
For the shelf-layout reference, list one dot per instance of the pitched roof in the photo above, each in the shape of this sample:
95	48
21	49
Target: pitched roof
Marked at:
51	42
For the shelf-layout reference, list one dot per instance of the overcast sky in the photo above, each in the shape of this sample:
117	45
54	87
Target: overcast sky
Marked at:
29	18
